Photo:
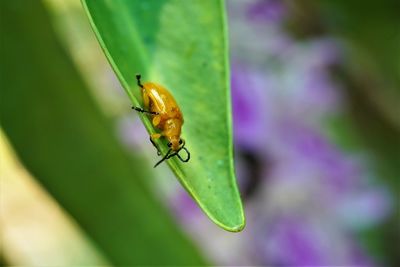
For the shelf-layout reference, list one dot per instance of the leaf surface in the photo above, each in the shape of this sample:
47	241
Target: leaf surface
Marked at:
182	45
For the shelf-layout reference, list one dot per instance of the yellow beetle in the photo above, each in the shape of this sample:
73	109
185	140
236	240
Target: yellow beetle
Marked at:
166	116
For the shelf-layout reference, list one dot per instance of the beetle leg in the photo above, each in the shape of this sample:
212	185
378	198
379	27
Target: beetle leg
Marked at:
144	111
156	120
155	136
154	144
138	76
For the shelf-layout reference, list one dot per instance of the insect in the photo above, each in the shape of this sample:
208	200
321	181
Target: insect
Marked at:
166	116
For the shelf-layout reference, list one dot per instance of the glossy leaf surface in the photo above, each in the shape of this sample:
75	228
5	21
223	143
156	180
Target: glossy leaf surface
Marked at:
183	46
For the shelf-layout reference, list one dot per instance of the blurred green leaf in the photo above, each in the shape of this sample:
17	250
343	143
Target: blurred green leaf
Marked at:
60	135
57	241
374	27
182	45
371	32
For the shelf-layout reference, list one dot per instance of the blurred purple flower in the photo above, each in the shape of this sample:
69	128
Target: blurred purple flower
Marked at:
309	176
249	105
311	148
312	197
267	10
299	241
372	205
278	111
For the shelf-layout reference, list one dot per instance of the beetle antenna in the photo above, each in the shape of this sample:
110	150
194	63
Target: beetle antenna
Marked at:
167	156
138	76
188	155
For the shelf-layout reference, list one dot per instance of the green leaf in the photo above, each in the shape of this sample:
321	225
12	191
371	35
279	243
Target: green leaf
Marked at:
62	138
182	45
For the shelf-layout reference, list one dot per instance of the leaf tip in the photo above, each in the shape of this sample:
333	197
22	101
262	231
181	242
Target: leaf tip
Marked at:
231	226
237	228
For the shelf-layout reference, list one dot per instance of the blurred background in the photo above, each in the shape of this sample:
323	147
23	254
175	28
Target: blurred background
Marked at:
316	109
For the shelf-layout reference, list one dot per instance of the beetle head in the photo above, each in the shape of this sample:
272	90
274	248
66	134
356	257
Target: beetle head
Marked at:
175	143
